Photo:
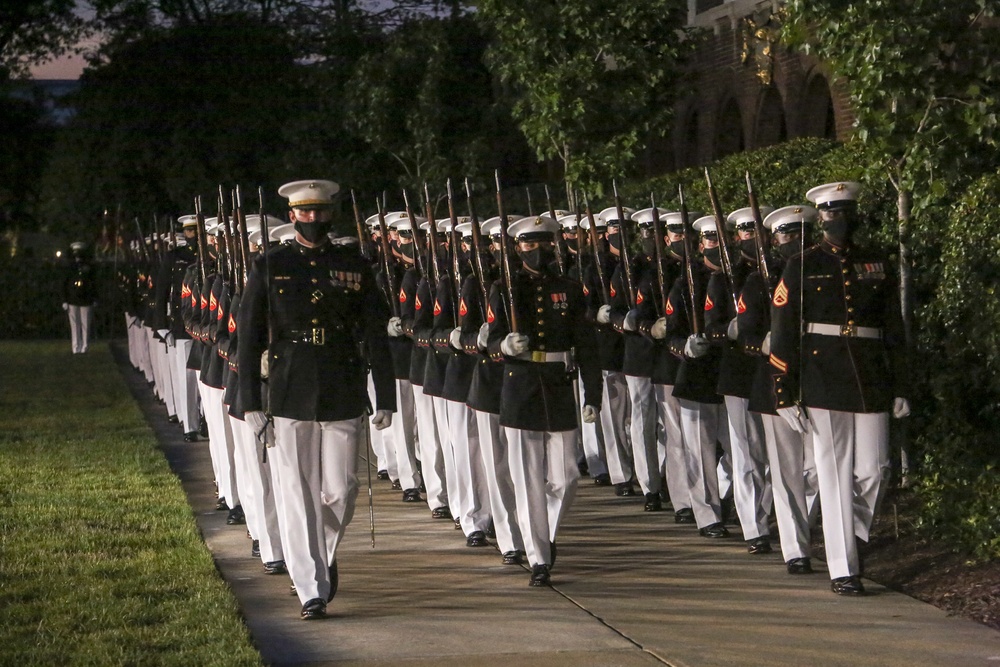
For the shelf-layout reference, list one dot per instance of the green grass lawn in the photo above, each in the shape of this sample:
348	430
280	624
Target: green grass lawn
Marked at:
100	558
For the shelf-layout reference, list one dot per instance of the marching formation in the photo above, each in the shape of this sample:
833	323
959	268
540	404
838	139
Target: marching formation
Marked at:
723	364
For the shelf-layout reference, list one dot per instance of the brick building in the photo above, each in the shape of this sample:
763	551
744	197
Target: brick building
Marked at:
749	91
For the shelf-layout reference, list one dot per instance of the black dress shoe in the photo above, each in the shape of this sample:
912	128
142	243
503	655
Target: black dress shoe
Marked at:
236	517
799	566
383	474
847	586
191	436
221	505
491	530
293	590
334	580
275	567
604	479
729	514
458	524
684	515
396	486
624	489
653	503
714	530
172	419
476	538
583	468
255	549
512	558
539	576
203	431
758	546
314	609
441	512
412	496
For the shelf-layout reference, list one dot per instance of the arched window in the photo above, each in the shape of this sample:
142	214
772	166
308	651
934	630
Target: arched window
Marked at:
771	127
729	131
819	118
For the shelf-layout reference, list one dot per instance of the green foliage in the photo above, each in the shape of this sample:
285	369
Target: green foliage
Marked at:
171	115
25	140
102	561
960	480
33	31
592	80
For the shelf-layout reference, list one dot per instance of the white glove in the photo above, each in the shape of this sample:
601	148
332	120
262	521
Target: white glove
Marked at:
630	320
65	306
589	414
765	345
257	422
455	339
659	329
382	420
604	314
696	346
900	408
515	344
733	330
795	417
484	336
395	327
265	364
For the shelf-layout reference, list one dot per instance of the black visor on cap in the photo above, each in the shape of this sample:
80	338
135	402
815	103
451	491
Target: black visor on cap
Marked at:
535	236
745	226
837	205
675	229
712	234
405	233
788	228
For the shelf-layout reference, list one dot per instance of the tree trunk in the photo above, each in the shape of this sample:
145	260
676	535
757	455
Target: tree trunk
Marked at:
570	192
903	214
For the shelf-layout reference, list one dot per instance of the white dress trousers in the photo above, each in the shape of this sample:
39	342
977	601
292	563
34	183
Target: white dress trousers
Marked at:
185	384
256	491
544	472
793	479
852	466
645	458
496	467
751	479
470	497
616	411
316	465
674	461
431	454
702	426
220	443
79	328
402	436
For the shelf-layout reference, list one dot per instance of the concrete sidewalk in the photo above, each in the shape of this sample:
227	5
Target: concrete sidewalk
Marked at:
629	588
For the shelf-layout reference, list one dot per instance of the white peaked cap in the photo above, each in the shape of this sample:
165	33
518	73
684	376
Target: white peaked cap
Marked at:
309	193
790	215
533	225
744	215
826	195
610	214
705	224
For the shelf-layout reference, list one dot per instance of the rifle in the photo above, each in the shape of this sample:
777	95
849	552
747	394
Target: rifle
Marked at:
595	246
241	229
506	277
419	248
477	257
265	247
456	247
390	276
580	238
227	240
760	236
527	195
560	261
202	240
696	314
720	223
364	239
435	242
144	251
625	251
658	304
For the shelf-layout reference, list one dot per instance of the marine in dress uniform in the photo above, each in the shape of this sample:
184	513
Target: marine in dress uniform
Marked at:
79	297
703	413
484	395
838	351
548	340
325	317
651	322
789	453
750	477
611	428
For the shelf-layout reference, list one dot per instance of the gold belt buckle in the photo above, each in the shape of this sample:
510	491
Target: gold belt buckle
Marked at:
319	336
848	330
538	356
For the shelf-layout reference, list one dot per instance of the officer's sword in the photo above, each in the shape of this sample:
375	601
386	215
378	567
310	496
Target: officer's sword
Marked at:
369	410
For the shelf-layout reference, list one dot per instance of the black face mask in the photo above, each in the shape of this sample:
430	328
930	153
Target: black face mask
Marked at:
538	259
748	248
615	240
572	244
313	232
713	255
678	249
841	230
495	253
789	250
407	250
649	246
